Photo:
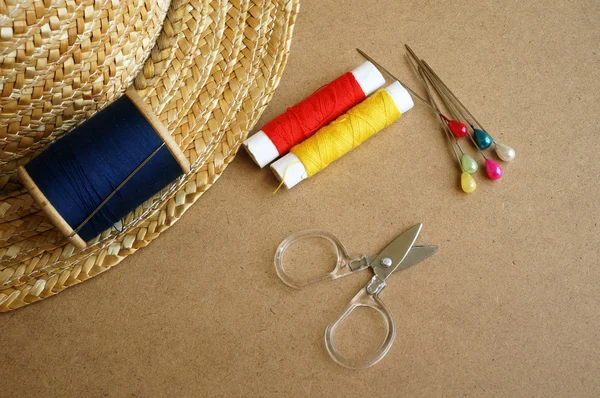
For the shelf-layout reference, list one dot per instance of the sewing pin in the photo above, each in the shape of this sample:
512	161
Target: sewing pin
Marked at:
482	138
492	169
458	128
466	163
410	90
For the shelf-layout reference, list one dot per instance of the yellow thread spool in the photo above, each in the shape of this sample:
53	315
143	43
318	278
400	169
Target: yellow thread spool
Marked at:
343	135
347	132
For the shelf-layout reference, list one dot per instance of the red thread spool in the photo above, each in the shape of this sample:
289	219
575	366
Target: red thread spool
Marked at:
303	119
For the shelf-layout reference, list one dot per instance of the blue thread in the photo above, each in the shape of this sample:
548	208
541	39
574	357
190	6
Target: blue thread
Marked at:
81	169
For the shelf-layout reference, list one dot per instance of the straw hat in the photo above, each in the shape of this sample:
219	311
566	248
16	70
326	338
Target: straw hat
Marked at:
208	78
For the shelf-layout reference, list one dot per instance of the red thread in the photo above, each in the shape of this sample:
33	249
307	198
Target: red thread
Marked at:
303	119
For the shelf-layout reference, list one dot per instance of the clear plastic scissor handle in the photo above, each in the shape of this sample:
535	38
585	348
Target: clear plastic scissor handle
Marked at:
345	264
362	299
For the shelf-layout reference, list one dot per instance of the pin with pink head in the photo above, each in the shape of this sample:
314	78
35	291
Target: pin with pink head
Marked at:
493	169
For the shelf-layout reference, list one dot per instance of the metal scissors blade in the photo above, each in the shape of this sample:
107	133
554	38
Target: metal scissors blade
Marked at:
416	255
393	255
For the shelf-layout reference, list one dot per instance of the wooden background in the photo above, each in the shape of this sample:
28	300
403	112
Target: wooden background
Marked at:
509	306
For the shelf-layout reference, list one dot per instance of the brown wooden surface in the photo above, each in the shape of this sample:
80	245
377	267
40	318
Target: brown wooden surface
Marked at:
510	304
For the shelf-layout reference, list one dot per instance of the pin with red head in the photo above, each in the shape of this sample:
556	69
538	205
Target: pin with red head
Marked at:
458	128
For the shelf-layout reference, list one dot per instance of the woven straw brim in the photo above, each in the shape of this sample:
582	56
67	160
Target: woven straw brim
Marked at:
60	61
208	79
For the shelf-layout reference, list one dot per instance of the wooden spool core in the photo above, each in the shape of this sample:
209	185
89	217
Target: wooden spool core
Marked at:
55	216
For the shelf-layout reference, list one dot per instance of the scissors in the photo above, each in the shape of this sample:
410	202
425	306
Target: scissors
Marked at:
399	254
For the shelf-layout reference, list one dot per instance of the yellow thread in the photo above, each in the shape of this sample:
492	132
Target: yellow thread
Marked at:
347	132
283	177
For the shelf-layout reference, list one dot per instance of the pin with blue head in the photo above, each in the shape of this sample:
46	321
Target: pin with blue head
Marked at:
483	140
492	169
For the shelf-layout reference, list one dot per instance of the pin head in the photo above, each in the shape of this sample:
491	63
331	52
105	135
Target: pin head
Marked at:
482	139
467	183
468	164
458	129
493	169
505	152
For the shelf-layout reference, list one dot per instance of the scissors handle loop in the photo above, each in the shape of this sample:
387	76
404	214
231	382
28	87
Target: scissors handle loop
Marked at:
362	299
345	264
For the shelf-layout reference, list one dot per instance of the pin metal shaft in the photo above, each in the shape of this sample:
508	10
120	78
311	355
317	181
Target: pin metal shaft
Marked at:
378	65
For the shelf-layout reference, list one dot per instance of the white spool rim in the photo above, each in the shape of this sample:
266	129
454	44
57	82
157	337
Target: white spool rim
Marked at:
368	77
401	97
261	149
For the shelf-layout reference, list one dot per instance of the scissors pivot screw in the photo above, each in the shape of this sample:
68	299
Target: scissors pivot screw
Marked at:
386	262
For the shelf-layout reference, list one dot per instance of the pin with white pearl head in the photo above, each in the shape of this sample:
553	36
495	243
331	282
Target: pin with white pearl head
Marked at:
482	138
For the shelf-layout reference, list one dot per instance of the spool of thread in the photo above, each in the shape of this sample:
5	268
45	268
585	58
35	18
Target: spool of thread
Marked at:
306	117
343	135
109	165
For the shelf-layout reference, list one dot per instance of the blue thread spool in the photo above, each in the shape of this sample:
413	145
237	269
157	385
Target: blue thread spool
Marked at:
102	170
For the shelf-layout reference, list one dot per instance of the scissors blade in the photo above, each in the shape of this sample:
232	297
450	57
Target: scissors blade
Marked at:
396	252
416	255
